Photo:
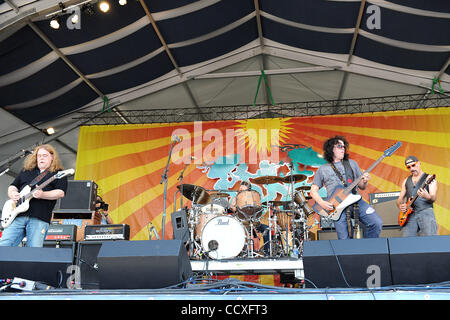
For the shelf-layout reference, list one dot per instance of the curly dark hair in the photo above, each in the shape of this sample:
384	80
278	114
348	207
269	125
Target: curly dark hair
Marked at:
329	145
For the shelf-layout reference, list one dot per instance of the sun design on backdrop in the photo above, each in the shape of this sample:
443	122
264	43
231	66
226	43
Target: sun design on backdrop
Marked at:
263	134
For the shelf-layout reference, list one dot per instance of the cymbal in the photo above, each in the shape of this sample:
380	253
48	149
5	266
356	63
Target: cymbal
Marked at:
195	193
304	188
296	178
266	179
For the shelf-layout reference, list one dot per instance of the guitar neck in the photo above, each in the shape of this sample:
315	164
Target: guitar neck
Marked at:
358	180
40	187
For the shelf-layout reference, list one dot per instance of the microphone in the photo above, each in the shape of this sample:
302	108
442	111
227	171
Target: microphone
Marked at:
176	138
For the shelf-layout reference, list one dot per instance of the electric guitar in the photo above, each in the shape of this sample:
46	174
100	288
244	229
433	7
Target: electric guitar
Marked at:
12	208
404	216
341	198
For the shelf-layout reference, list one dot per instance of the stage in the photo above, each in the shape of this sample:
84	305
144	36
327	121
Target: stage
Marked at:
413	268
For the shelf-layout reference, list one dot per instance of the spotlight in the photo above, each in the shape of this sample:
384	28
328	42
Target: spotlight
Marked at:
104	6
50	131
55	23
122	2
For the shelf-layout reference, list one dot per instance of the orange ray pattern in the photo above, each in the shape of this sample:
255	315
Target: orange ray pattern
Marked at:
127	161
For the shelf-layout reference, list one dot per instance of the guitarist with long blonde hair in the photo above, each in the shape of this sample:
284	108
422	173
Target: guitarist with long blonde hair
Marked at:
420	216
40	167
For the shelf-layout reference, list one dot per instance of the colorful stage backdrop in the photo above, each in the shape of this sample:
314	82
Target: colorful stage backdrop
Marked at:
127	161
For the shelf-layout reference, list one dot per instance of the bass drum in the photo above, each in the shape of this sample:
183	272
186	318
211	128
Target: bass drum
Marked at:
223	237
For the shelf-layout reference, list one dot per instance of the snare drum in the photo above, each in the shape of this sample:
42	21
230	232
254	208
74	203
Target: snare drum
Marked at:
248	205
225	233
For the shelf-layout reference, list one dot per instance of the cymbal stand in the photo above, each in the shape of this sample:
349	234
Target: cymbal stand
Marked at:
193	220
274	222
251	241
291	191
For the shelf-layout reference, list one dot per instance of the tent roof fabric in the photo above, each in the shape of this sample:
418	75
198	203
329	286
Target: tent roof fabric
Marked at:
167	54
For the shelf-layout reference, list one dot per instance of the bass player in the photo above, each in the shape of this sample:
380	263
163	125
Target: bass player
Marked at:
422	218
33	224
338	172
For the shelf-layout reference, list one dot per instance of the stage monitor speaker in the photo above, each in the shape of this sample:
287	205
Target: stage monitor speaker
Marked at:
46	265
420	260
180	226
80	195
147	264
87	262
62	244
347	263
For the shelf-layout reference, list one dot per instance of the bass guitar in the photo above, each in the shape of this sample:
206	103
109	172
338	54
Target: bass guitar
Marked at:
342	197
12	208
404	216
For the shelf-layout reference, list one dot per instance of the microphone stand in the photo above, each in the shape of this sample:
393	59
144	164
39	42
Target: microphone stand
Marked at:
164	179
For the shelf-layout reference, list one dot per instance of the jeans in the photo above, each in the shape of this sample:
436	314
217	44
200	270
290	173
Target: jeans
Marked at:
264	229
423	220
367	215
33	228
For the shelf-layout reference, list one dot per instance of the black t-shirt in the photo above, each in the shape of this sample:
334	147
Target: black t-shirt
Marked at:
39	208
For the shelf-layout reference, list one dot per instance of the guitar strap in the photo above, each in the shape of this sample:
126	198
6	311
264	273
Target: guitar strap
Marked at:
418	184
348	173
38	178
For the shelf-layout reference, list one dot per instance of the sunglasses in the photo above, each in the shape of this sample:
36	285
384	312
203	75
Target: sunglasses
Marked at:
409	166
340	146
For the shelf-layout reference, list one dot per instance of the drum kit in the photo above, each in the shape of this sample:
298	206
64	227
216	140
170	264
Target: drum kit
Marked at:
218	230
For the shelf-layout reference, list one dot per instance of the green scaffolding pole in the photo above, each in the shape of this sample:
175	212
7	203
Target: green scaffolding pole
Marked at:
263	76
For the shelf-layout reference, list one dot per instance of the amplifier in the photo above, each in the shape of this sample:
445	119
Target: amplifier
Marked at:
107	232
385	204
380	197
61	232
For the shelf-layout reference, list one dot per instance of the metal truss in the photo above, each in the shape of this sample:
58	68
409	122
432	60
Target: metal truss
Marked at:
240	112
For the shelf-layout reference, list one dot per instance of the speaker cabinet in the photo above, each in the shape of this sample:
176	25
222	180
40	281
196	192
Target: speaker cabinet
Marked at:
81	195
47	265
147	264
420	260
87	253
346	263
180	226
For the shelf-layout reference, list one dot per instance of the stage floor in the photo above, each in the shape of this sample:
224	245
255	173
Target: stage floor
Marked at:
239	291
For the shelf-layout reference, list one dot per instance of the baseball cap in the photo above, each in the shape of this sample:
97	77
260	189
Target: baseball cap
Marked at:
411	159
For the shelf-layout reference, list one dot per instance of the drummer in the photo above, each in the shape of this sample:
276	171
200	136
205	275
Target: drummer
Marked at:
260	228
